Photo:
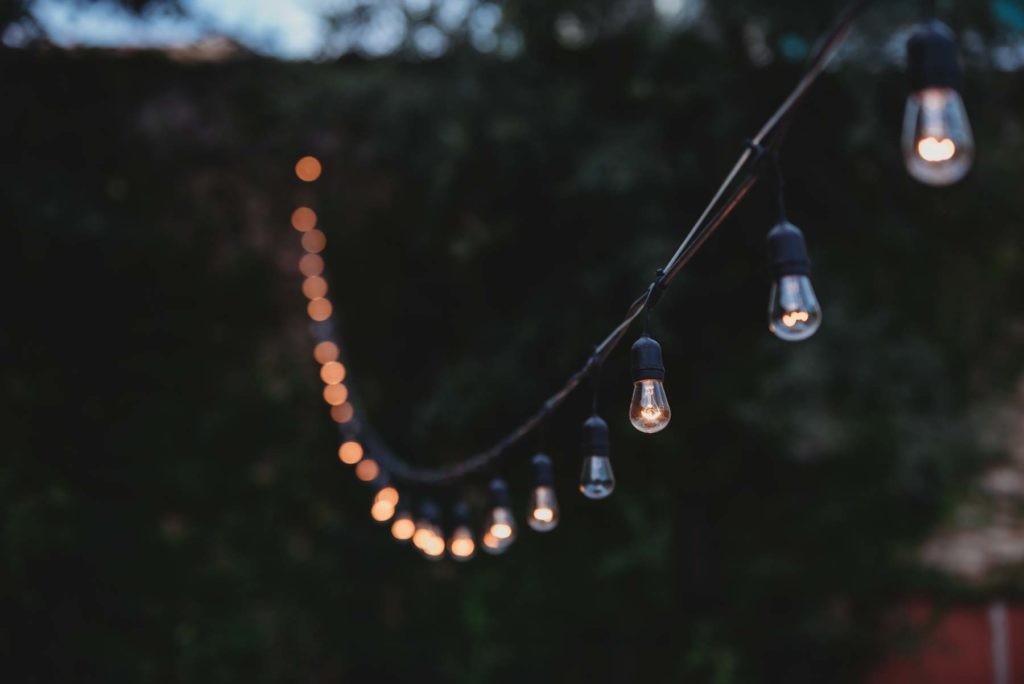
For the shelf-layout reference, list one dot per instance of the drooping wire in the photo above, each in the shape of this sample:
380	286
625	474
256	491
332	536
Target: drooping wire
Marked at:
744	173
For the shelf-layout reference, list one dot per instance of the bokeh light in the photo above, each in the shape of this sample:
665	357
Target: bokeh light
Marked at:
367	470
325	352
332	373
308	169
303	219
350	452
319	309
314	241
389	495
342	413
314	287
311	265
335	395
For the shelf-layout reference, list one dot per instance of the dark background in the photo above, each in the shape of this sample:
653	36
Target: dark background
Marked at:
172	507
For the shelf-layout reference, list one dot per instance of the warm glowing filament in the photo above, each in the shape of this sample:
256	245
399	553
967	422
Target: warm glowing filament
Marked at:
421	537
544	514
462	547
308	169
325	352
332	373
793	317
303	219
501	530
434	546
367	470
335	395
350	453
650	413
934	150
381	511
403	529
388	495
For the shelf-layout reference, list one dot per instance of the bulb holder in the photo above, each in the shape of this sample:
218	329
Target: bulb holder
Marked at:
460	515
498	490
430	511
931	57
595	437
645	359
403	506
543	471
788	251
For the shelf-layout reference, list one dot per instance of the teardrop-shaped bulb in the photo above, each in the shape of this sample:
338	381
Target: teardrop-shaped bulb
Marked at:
597	479
543	509
492	545
433	547
649	410
461	546
938	147
501	525
793	311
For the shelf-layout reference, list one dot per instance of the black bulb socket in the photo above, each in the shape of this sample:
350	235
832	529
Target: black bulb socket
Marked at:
499	497
460	515
595	437
931	57
543	471
645	359
788	251
430	511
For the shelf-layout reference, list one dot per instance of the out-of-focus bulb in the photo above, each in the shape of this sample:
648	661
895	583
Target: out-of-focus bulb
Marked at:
428	538
461	545
596	478
543	510
793	310
493	545
403	527
388	494
649	410
433	549
937	143
382	511
499	523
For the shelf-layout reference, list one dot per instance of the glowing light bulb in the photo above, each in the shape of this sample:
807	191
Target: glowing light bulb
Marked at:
596	478
403	526
649	410
388	494
493	545
937	143
499	523
382	511
793	310
461	545
350	452
428	538
543	502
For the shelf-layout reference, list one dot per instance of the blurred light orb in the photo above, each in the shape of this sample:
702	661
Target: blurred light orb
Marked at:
332	373
342	413
335	395
314	241
308	169
314	287
303	219
350	452
311	265
325	352
367	470
319	309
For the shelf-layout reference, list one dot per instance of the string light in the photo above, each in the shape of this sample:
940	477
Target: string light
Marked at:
335	395
648	410
385	500
314	287
403	526
303	219
500	524
793	310
308	168
367	470
332	373
325	352
311	265
319	309
597	480
938	146
461	546
314	241
428	538
543	502
350	452
343	413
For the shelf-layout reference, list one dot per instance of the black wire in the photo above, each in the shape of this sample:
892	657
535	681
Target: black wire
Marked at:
741	178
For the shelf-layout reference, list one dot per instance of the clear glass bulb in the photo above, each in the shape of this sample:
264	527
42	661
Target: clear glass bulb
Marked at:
938	147
433	547
492	544
403	527
461	545
793	311
649	411
597	479
424	531
543	509
501	525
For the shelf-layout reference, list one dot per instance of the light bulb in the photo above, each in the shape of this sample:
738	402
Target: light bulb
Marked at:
493	545
461	545
382	511
793	310
499	523
649	410
596	478
388	494
403	527
428	538
433	549
937	143
543	502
